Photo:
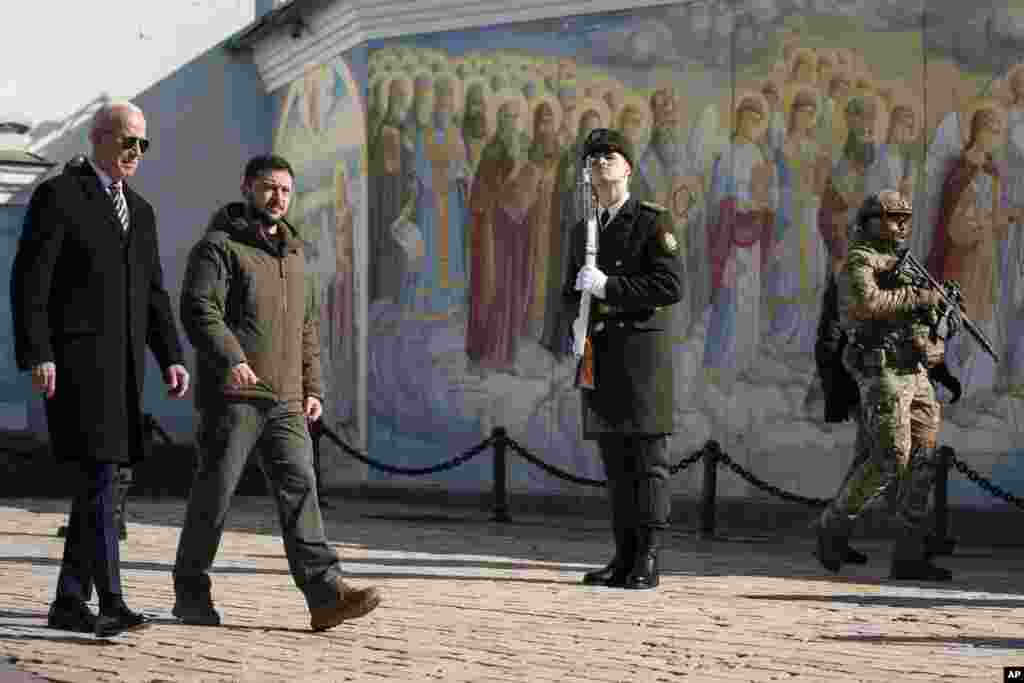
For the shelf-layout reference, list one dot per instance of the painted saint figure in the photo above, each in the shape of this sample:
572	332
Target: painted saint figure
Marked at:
973	220
441	171
504	190
799	265
741	205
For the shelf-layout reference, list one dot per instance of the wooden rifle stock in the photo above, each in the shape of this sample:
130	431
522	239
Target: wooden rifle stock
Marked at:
585	367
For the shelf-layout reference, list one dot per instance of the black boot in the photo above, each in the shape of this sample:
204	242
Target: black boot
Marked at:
645	564
911	560
628	554
614	573
854	556
918	570
831	549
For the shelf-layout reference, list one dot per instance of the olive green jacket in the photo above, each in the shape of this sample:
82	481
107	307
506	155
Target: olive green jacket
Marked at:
247	299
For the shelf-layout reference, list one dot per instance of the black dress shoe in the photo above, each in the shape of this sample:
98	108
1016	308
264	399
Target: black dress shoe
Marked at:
71	615
853	556
118	620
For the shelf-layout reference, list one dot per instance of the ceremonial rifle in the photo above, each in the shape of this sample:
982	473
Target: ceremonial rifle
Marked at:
581	345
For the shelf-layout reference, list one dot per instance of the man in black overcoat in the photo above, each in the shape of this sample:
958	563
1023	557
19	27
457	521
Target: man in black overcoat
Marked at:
630	410
87	297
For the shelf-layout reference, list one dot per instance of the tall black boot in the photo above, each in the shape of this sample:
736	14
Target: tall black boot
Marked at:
644	573
614	573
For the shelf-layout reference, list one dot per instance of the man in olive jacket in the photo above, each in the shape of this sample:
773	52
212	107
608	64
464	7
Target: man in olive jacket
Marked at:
630	410
248	310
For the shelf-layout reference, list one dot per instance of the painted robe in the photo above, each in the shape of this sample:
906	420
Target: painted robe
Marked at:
741	205
441	170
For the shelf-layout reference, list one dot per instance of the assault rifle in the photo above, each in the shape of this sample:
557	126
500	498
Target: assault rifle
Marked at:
952	298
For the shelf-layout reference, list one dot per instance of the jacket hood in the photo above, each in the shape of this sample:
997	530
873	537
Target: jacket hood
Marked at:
235	221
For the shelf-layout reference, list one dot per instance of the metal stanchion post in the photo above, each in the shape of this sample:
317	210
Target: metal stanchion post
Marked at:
939	542
500	475
712	451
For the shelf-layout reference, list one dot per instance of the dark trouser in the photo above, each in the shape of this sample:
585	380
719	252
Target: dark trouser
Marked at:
227	434
637	469
91	550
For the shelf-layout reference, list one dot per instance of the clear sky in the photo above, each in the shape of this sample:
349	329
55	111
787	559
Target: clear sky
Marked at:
58	55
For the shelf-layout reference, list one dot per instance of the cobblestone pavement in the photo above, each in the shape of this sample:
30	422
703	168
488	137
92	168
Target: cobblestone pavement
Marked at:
466	599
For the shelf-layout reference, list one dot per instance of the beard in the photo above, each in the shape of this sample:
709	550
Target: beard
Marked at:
545	147
862	152
475	126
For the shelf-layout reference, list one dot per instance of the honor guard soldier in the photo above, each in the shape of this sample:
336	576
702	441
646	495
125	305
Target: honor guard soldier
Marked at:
629	410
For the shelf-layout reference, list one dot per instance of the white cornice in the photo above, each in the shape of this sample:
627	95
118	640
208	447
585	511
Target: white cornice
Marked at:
331	29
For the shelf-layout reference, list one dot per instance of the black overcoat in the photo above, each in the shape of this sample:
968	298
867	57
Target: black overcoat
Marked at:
630	327
90	297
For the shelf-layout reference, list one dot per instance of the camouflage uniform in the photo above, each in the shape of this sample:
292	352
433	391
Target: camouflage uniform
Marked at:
888	321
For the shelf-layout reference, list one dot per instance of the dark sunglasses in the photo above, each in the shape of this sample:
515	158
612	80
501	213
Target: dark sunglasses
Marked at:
129	142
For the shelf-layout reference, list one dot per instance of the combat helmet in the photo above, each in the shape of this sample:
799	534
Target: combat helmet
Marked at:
879	205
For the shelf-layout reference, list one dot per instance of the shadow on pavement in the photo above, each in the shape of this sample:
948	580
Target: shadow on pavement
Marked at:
905	601
971	641
465	537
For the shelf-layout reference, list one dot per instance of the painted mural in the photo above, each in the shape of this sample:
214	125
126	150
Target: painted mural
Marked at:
760	125
320	132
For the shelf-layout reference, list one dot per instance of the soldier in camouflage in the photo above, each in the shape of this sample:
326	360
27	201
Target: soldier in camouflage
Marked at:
890	324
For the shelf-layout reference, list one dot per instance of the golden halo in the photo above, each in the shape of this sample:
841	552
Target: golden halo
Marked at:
638	104
801	54
973	107
744	95
600	107
907	103
503	96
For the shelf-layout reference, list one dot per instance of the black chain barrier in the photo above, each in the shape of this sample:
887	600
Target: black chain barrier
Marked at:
584	481
710	450
771	488
984	483
410	471
551	469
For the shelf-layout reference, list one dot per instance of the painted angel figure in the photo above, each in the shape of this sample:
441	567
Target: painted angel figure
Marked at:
972	223
704	145
798	266
741	205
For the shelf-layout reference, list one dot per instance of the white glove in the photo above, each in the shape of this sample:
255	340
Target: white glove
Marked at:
591	279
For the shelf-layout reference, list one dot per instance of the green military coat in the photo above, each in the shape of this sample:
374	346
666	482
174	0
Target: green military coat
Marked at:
630	327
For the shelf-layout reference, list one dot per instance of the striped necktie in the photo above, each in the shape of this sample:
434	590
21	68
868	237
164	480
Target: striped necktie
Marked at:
120	206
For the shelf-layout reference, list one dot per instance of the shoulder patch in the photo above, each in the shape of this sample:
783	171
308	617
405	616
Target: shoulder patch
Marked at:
658	208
